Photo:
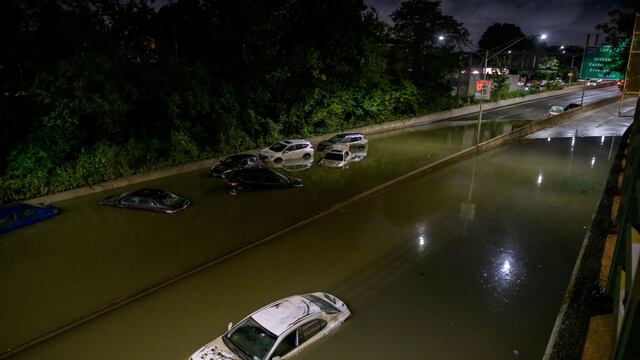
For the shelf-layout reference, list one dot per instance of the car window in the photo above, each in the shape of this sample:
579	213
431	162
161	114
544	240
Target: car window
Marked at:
277	147
130	200
251	338
26	214
147	202
286	345
308	330
290	148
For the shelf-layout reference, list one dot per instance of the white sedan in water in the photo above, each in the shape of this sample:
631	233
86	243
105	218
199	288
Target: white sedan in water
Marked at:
278	330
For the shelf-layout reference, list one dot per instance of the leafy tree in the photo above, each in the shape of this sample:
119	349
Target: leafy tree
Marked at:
619	31
549	68
499	34
417	26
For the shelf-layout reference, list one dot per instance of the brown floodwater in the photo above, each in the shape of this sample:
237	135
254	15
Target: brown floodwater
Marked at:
467	262
60	270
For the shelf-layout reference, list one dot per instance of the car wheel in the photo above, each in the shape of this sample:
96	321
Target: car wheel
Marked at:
277	160
306	156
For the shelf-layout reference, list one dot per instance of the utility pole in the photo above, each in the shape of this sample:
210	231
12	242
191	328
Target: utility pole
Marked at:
484	77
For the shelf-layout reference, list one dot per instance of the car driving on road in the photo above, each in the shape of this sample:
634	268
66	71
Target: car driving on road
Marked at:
350	139
556	110
278	330
233	163
286	150
148	199
260	178
14	216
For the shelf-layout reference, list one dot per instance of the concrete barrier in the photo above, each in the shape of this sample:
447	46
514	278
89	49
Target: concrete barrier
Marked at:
378	128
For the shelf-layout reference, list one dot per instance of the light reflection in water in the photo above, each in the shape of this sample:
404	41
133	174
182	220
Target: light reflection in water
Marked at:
539	180
422	237
548	139
602	141
573	142
593	162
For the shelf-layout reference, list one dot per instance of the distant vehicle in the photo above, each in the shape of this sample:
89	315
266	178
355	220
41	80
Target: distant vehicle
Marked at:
14	216
148	199
260	178
556	110
620	84
571	106
593	82
293	165
336	158
279	330
287	149
351	139
233	163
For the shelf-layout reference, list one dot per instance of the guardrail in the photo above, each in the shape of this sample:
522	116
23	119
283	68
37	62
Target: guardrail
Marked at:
620	273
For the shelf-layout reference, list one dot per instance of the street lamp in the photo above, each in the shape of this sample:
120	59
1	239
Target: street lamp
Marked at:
498	50
440	37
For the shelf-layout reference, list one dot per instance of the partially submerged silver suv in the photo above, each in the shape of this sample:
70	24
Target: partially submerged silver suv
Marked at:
350	139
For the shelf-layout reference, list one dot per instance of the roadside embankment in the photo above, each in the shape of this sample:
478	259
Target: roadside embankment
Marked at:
379	128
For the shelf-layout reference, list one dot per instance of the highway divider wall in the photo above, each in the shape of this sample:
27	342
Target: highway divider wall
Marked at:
379	128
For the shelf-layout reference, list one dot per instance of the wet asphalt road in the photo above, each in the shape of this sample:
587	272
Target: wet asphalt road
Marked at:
55	274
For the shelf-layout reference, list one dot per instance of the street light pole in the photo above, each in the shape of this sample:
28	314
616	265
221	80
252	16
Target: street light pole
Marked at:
484	77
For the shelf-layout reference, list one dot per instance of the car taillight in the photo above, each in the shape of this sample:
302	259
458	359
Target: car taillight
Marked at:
233	184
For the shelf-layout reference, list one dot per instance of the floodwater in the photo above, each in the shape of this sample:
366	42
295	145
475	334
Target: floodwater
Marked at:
469	262
90	256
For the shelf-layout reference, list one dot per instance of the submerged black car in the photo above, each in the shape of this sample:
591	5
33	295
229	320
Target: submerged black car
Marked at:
260	178
233	163
148	199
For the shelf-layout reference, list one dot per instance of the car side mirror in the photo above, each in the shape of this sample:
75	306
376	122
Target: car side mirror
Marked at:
229	326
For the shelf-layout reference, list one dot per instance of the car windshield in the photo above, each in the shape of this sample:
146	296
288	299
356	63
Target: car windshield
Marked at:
322	304
334	156
229	161
167	199
557	109
337	139
251	339
278	147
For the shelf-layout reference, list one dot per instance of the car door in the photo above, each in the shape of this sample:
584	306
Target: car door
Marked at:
302	336
289	152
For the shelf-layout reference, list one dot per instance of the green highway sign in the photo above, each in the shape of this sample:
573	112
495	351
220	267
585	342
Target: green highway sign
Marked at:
597	63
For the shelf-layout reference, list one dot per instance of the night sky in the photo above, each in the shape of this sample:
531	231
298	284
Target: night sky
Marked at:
566	22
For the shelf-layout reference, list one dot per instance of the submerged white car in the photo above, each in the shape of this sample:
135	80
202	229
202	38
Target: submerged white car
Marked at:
278	330
336	158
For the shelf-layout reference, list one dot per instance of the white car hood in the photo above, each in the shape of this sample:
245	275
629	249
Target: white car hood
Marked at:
215	350
268	152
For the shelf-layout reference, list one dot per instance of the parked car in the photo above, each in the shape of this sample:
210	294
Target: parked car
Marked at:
279	330
292	165
233	163
14	216
556	110
336	158
260	178
351	139
571	106
148	199
287	149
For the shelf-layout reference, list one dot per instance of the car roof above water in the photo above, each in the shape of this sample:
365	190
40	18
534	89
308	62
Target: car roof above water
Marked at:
282	314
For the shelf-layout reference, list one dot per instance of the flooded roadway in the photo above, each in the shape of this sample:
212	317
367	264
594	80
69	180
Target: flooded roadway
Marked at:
369	254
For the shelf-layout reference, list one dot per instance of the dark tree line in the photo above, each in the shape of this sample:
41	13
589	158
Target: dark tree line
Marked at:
95	89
